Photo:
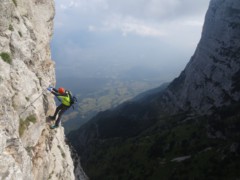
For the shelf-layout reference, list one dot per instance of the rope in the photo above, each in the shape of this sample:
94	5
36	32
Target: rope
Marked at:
32	103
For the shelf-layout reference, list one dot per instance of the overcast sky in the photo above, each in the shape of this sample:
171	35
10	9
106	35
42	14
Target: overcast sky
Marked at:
99	38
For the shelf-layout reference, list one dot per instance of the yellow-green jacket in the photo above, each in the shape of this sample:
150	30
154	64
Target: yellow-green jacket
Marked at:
64	98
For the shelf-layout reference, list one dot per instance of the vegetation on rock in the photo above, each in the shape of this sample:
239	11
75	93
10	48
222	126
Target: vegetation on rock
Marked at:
6	57
25	123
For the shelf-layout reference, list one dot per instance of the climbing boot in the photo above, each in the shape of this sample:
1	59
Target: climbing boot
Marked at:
53	126
52	117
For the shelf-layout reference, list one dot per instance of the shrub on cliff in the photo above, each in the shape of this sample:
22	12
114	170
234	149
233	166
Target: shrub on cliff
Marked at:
6	57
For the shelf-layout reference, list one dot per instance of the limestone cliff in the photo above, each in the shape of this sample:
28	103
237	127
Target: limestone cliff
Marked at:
28	148
211	78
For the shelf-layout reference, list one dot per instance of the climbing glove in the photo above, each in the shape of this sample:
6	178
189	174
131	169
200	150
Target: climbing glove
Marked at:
49	89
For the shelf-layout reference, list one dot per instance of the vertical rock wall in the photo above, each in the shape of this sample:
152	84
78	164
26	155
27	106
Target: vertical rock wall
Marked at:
211	78
28	148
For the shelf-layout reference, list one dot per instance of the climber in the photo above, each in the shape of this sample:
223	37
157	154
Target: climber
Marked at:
64	96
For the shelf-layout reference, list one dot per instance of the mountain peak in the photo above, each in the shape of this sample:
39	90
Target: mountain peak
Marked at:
210	78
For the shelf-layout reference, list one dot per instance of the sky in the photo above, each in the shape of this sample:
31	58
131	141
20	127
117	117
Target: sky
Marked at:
126	38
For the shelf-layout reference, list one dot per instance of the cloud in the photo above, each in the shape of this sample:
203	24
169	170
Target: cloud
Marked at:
67	5
139	17
89	32
158	10
131	25
128	25
82	5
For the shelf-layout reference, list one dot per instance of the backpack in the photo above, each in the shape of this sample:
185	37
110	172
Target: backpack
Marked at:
73	99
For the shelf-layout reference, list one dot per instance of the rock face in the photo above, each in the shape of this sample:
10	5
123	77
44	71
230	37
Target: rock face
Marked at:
211	78
28	148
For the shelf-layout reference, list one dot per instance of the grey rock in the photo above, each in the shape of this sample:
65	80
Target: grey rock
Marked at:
211	78
28	148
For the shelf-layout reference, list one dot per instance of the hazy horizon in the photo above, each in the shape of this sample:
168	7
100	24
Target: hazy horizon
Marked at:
106	39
